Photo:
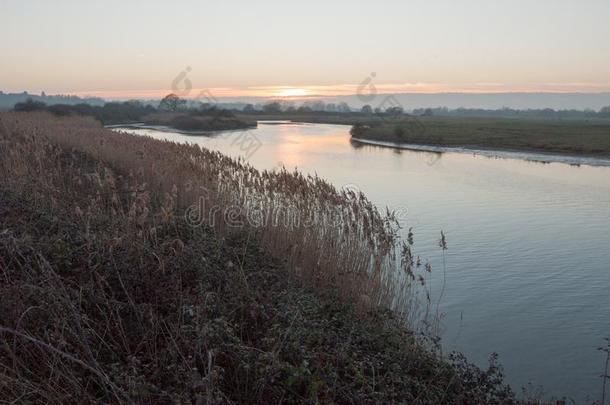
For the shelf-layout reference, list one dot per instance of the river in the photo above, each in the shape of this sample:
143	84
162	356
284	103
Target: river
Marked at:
528	264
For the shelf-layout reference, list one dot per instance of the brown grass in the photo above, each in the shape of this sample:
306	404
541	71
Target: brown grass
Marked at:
339	240
198	123
110	294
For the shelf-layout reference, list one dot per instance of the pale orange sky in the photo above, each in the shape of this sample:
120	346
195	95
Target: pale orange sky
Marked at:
119	49
305	92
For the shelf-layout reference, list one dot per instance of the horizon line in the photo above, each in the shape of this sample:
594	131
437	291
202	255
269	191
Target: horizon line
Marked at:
307	92
304	93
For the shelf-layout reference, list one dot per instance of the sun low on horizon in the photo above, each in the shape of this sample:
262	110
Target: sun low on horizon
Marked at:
347	201
291	92
331	47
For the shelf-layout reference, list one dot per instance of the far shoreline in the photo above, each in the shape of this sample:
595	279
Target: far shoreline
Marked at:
166	128
532	155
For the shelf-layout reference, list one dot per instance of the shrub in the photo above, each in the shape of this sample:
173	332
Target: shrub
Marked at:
30	105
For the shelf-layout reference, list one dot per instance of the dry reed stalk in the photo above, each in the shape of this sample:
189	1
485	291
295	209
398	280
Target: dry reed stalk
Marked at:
340	240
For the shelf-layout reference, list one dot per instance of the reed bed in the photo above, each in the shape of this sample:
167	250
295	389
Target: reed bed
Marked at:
333	238
122	281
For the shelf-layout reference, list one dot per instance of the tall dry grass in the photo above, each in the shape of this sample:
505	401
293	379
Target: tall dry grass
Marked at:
109	294
333	238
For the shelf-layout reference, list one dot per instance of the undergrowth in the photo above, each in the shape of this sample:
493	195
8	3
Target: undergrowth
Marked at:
109	296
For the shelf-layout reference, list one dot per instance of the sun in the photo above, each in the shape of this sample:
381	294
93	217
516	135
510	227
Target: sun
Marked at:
291	92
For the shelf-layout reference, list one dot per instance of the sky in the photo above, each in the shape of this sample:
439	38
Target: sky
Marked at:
125	49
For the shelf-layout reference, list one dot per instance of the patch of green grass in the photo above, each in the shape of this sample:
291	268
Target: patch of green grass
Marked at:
591	137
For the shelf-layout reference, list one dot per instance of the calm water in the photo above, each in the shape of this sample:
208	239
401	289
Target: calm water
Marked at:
528	265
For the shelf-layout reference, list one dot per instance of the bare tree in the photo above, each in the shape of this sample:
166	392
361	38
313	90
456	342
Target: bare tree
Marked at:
171	102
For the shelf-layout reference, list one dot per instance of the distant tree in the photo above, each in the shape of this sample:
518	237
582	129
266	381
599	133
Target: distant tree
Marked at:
343	107
304	109
248	108
605	112
171	102
75	109
30	105
318	106
133	104
331	107
428	112
395	111
206	106
272	108
366	109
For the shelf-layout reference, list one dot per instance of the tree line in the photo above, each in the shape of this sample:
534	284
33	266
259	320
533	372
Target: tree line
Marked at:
133	111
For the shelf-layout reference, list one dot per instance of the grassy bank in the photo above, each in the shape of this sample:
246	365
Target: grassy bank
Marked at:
133	112
111	293
577	137
314	117
199	121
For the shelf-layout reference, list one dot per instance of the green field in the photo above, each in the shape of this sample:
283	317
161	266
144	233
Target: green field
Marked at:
578	137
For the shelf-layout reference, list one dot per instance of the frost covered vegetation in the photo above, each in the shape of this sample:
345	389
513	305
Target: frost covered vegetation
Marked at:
110	293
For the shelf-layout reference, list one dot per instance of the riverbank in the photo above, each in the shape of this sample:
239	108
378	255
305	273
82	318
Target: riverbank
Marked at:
576	138
136	113
198	121
507	208
316	117
169	129
116	290
540	157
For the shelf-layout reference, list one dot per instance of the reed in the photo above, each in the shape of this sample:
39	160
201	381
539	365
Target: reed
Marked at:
122	281
335	239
